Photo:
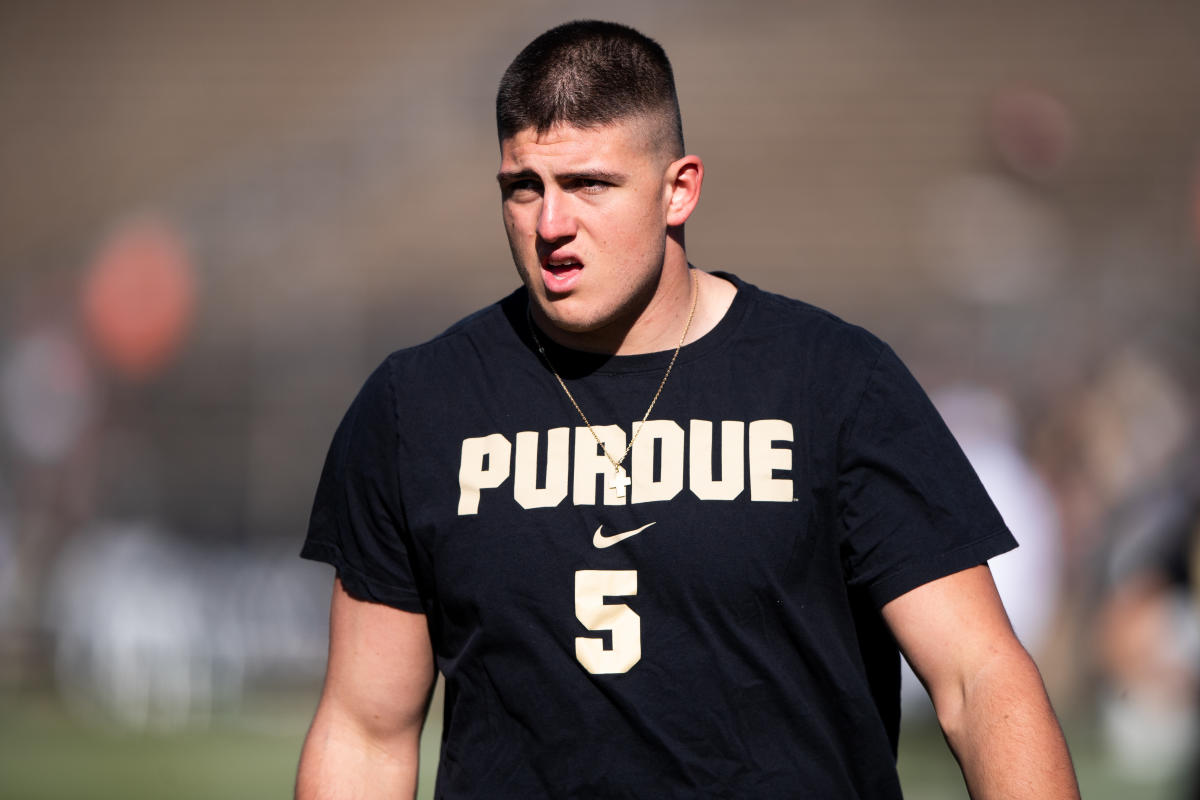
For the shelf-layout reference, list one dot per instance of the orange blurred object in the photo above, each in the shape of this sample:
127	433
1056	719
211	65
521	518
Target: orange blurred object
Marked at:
139	297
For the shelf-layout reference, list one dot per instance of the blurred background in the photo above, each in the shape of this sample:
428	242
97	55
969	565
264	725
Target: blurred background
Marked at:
216	218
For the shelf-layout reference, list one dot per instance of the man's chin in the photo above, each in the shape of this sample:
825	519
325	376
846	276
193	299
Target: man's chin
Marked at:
567	314
561	319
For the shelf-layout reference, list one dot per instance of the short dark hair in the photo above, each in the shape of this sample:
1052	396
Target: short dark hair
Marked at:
587	74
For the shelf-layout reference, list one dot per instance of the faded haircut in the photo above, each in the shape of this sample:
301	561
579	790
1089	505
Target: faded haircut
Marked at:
589	74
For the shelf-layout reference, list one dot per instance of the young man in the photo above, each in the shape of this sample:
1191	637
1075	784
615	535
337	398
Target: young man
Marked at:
656	527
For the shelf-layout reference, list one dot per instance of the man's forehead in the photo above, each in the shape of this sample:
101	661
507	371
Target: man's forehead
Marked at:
625	138
561	132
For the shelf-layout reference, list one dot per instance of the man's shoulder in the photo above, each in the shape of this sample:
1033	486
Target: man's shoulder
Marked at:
485	331
774	314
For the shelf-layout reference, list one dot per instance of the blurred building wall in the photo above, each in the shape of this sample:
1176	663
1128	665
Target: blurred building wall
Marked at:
1007	192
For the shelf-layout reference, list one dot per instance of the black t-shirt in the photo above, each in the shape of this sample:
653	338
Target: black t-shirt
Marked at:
715	631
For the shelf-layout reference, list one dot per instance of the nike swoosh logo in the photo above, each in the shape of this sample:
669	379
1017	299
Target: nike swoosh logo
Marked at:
599	540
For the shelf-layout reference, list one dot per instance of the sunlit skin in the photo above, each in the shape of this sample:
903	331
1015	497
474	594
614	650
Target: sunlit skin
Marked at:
594	219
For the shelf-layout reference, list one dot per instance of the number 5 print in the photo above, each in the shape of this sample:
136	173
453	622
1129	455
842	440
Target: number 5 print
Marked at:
591	587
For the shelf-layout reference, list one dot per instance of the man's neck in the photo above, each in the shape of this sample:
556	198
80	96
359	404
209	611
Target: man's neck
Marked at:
657	325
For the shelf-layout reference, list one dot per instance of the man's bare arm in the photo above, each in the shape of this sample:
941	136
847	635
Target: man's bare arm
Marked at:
364	740
988	693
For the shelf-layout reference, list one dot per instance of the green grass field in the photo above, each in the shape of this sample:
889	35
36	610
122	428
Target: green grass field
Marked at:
48	754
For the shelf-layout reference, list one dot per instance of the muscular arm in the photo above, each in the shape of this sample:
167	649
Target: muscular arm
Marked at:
988	694
364	739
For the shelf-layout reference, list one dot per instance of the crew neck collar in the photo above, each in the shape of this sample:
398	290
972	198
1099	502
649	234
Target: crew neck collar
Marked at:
572	363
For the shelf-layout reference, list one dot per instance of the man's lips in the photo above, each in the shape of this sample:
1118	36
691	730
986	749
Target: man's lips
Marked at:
558	266
560	274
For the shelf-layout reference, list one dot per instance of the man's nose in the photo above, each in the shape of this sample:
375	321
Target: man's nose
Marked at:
555	220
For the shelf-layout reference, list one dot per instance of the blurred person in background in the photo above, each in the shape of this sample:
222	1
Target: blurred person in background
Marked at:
1122	450
784	510
1148	627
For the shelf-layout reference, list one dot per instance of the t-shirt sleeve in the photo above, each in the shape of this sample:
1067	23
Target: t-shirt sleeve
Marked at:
357	522
912	508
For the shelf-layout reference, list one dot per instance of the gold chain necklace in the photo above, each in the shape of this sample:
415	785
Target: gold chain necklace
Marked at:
619	480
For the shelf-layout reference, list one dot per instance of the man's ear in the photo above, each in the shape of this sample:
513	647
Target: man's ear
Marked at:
684	179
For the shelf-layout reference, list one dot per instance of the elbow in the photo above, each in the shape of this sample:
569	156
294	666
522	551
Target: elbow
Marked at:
990	692
949	705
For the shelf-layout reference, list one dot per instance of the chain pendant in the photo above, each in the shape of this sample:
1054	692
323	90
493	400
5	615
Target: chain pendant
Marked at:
619	481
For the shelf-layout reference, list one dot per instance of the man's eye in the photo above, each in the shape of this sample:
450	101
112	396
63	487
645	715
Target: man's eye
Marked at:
591	185
521	189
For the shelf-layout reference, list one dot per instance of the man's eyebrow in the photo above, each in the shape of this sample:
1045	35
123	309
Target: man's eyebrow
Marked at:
516	175
604	176
594	175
